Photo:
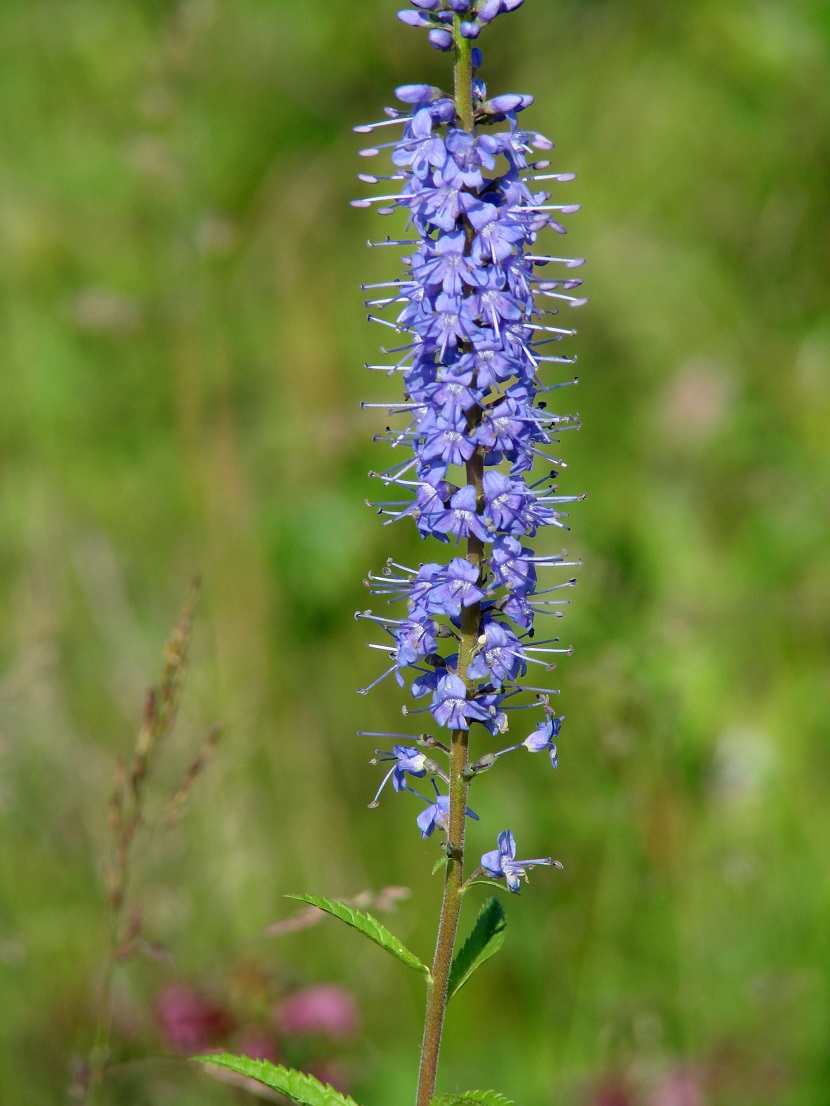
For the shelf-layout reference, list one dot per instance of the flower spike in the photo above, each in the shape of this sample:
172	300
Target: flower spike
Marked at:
475	306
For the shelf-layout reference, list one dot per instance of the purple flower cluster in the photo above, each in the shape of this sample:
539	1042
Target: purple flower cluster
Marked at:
479	320
438	18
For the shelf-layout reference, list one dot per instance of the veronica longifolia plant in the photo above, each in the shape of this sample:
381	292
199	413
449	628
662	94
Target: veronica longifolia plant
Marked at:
478	311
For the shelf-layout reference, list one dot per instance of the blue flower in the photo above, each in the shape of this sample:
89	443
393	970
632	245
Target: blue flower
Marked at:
457	588
501	862
541	740
499	657
462	519
416	639
449	441
499	232
436	813
451	707
407	759
513	566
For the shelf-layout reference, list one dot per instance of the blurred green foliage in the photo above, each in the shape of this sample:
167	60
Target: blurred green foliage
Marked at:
182	337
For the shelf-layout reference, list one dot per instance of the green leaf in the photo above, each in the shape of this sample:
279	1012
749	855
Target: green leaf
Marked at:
296	1085
440	863
486	1098
486	937
370	927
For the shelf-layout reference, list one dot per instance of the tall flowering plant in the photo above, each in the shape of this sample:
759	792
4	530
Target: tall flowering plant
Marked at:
477	309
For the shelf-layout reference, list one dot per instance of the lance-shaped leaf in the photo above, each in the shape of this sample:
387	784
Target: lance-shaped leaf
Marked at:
486	937
367	925
484	1098
296	1085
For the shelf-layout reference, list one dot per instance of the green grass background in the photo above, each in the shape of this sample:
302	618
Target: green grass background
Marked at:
182	342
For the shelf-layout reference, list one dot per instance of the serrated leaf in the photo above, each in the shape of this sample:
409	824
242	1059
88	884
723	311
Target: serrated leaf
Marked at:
485	1098
296	1085
367	925
486	937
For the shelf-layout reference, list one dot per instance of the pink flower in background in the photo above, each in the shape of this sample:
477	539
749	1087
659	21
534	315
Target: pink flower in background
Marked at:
190	1021
326	1010
259	1046
613	1091
680	1088
333	1073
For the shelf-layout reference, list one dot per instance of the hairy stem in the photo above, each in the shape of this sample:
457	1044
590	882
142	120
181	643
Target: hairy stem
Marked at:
458	784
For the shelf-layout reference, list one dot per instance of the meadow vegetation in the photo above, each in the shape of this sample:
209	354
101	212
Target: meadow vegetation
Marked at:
183	338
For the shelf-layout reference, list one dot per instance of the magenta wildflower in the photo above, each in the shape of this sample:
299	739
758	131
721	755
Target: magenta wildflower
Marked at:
325	1010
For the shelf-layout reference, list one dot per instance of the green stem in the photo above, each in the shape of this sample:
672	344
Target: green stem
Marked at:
458	785
99	1053
463	77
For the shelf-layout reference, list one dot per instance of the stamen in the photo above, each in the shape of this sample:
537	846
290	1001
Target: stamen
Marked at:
372	178
574	301
392	326
393	242
376	733
561	177
544	259
367	128
367	201
374	683
566	209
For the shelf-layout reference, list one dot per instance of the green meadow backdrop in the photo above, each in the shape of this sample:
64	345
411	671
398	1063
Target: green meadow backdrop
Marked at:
182	340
